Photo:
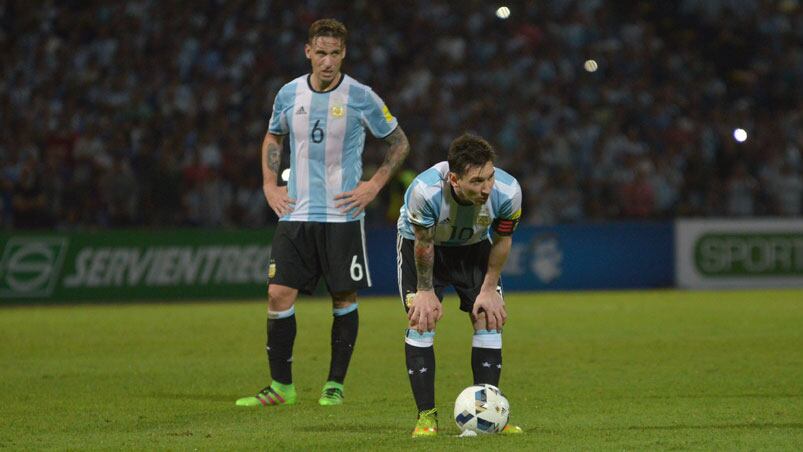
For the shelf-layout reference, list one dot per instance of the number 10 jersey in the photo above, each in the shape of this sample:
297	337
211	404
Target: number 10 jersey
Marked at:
429	202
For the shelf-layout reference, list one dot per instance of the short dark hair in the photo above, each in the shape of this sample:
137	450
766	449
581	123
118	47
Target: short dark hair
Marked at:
467	151
328	27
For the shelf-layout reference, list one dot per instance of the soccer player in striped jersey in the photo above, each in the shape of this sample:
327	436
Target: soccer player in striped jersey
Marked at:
321	233
455	229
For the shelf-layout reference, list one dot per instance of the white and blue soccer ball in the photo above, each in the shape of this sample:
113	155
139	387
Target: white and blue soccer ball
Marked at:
481	409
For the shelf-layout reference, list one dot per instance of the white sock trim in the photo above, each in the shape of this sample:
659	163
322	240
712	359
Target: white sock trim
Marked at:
281	314
417	339
428	342
487	340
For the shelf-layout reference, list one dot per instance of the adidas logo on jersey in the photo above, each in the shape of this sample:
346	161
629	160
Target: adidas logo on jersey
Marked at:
301	111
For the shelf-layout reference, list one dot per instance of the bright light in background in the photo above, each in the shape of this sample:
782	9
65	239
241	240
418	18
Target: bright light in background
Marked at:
740	135
503	12
590	65
286	174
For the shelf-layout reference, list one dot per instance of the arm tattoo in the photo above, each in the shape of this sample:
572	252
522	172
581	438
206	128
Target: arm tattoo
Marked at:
274	157
424	257
398	148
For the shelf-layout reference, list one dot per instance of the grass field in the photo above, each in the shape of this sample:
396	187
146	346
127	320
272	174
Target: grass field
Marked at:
583	371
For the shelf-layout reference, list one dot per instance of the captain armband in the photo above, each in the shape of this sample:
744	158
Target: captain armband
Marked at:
505	226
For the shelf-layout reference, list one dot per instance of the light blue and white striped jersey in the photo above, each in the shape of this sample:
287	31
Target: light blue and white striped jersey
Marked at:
327	135
428	202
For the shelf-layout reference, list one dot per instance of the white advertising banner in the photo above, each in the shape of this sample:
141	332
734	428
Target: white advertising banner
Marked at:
721	254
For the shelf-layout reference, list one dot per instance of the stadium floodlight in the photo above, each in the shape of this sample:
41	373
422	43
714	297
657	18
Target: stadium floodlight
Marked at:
503	12
740	135
590	65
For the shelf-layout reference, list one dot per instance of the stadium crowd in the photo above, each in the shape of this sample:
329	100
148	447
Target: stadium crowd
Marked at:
151	113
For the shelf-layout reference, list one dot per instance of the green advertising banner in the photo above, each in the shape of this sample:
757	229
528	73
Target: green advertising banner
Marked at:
749	255
735	253
134	265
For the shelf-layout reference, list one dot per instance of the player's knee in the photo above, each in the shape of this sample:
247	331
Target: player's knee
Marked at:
343	300
281	298
479	320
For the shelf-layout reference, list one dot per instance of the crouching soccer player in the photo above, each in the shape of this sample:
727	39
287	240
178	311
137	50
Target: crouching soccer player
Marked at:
455	229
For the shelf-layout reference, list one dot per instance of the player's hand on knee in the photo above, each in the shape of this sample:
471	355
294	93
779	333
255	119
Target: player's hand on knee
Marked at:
493	306
414	315
425	311
418	320
500	316
424	319
432	319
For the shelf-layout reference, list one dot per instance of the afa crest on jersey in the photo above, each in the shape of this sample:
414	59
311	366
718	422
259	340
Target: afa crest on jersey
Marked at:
338	111
484	218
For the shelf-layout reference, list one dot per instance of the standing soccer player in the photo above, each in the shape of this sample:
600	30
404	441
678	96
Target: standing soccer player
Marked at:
321	230
455	229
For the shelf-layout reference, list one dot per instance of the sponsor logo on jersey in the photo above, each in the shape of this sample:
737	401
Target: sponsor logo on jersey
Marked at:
301	111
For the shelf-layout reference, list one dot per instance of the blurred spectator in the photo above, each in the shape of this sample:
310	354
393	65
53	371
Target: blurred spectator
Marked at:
786	191
120	194
740	192
151	113
28	201
638	194
248	208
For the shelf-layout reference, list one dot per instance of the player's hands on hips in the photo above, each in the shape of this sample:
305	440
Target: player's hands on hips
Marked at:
491	303
278	200
425	311
355	201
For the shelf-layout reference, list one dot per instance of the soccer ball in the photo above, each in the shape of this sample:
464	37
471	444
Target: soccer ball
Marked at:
481	409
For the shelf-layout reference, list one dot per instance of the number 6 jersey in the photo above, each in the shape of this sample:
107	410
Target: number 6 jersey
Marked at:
429	202
327	135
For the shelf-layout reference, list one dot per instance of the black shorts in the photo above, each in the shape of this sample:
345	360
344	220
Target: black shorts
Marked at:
462	267
304	251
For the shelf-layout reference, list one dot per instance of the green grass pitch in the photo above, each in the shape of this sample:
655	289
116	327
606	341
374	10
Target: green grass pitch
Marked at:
631	370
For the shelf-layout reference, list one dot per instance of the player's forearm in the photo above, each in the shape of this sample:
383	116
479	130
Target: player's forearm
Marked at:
496	261
424	251
398	149
271	159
